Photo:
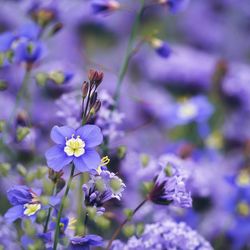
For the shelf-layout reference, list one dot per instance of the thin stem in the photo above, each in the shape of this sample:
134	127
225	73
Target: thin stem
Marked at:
61	208
129	50
86	222
118	230
49	212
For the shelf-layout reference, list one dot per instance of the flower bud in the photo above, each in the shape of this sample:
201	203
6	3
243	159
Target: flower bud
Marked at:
21	133
93	99
85	88
57	27
161	48
3	85
97	106
95	77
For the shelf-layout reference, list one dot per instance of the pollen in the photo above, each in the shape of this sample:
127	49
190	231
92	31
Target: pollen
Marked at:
187	110
31	209
243	178
243	208
74	146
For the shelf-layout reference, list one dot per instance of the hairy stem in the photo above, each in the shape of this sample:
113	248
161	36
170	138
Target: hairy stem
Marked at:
56	238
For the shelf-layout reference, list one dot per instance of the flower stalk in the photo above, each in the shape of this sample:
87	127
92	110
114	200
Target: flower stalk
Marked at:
56	237
118	230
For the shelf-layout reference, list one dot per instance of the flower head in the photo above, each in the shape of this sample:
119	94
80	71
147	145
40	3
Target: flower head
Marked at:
85	242
101	188
25	203
170	185
75	146
165	235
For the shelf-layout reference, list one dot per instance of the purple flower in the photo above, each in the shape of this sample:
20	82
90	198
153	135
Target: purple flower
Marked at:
101	188
161	48
100	6
25	203
165	235
85	242
75	146
170	185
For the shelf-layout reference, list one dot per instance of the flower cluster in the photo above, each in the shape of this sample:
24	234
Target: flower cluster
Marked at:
165	235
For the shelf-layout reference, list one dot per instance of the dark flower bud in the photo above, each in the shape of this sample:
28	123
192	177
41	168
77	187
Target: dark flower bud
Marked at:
95	77
60	185
55	176
93	99
57	27
97	106
22	118
85	88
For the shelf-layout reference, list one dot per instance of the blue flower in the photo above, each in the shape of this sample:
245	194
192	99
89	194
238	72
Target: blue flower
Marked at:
25	203
161	48
74	146
85	242
170	184
100	6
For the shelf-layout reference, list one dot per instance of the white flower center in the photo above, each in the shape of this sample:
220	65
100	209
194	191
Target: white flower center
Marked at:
187	110
74	146
31	209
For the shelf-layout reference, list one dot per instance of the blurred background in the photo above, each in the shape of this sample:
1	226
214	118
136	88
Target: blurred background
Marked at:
194	104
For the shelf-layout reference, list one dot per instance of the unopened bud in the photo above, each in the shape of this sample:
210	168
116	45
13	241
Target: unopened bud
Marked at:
3	85
85	88
93	99
21	133
95	77
57	27
97	106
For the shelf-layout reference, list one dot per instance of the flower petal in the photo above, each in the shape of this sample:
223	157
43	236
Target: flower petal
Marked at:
91	135
89	160
59	134
14	213
56	158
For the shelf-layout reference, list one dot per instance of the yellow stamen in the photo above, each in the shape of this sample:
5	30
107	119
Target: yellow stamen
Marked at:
243	208
104	162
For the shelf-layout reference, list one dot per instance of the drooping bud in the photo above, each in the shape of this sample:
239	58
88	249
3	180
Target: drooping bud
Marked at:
95	77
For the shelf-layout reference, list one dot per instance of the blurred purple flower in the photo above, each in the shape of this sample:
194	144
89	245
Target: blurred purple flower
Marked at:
75	146
165	235
85	242
100	6
170	184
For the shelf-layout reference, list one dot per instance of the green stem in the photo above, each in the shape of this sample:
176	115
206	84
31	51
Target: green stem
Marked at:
61	208
129	50
118	230
49	212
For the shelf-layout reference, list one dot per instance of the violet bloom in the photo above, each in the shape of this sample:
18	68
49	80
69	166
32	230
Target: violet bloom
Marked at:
161	48
85	242
165	235
170	185
74	146
25	203
101	188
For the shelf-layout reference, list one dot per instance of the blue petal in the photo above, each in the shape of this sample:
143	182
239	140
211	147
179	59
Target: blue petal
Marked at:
57	159
91	134
19	195
58	134
88	161
5	41
14	213
30	30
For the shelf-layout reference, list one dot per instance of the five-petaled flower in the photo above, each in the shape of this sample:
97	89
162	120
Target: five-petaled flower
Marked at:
74	146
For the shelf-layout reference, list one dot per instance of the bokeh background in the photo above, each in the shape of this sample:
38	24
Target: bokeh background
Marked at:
194	104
